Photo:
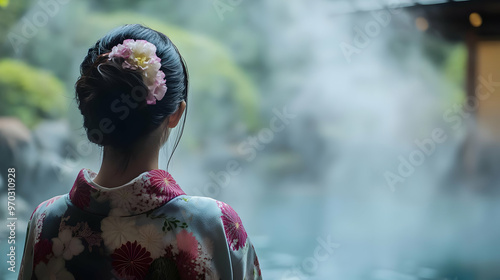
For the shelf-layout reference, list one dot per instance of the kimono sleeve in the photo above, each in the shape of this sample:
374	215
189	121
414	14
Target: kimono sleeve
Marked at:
26	268
244	261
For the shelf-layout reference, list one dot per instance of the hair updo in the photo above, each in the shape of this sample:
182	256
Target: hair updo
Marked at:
112	99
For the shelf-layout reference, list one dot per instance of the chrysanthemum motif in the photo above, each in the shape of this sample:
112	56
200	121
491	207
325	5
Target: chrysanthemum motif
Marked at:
117	231
152	239
148	191
123	199
141	54
235	232
163	184
187	243
131	259
189	257
186	265
118	212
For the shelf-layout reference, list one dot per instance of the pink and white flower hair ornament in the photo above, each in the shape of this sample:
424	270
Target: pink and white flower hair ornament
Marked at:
141	54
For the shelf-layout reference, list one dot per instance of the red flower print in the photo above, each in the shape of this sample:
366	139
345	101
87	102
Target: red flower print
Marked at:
235	232
80	193
185	263
35	210
42	250
186	266
187	243
39	226
163	185
45	203
131	259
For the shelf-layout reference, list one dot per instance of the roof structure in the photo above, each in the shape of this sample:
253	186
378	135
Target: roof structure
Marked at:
450	18
353	6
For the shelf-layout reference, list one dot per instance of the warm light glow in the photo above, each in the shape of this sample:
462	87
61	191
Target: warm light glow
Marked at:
475	19
422	24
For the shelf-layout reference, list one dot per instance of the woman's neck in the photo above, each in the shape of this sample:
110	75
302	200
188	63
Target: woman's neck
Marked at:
111	174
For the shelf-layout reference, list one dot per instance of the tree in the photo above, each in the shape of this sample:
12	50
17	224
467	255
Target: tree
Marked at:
28	93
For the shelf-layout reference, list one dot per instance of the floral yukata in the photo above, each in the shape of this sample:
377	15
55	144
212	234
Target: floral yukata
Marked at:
146	229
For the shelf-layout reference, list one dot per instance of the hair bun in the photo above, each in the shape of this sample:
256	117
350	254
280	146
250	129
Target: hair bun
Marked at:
112	102
112	98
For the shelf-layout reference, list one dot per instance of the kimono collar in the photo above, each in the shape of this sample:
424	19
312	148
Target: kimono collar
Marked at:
146	192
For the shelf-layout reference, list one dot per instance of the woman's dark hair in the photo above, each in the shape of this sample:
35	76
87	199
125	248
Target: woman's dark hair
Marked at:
112	99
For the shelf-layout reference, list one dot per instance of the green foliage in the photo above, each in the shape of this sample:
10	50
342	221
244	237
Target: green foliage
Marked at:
28	93
171	223
456	64
455	72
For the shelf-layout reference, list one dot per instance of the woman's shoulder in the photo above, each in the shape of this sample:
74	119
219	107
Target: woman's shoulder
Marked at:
201	208
200	204
49	205
191	204
205	213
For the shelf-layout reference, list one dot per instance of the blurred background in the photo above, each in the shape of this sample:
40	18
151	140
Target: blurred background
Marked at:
357	139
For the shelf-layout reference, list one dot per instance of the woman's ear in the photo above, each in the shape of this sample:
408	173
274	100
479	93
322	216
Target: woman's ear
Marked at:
173	120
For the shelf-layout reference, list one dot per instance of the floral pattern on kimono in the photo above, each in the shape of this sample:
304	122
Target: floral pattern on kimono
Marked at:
146	229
